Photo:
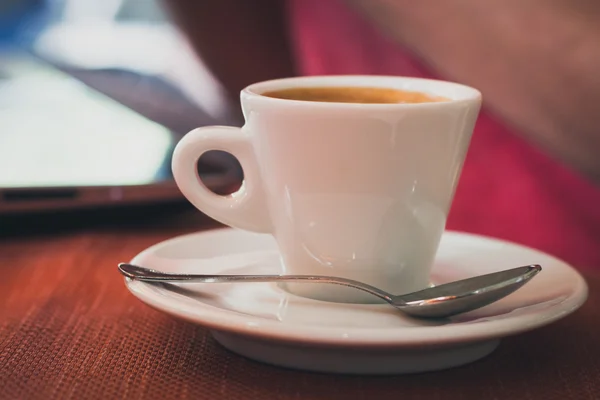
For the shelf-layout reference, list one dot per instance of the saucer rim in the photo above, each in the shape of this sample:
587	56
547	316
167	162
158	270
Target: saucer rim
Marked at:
223	320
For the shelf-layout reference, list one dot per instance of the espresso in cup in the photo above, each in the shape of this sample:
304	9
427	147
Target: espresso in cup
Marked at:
363	95
351	181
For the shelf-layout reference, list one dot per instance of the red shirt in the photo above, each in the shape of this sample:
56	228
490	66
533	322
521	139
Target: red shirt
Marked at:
508	189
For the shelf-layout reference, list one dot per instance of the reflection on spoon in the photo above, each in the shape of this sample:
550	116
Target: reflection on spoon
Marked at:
436	302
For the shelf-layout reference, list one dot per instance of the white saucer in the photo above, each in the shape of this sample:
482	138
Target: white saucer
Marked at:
265	323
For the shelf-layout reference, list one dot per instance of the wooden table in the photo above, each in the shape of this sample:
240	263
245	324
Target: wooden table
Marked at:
69	329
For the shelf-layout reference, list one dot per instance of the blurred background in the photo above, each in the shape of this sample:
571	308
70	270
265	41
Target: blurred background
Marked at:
93	97
129	41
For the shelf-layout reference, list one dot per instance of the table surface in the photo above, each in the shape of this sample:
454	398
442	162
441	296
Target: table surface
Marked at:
69	329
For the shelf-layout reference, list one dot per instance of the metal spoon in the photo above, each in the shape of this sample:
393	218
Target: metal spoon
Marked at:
435	302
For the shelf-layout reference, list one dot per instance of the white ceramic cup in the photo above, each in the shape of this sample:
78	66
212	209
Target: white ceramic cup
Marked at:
360	191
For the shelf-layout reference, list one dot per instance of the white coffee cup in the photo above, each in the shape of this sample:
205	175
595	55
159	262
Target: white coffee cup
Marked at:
360	191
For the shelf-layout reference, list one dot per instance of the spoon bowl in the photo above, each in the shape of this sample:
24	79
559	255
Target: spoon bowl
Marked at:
436	302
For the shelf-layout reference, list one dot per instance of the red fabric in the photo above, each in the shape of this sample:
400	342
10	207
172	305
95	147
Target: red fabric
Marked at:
508	189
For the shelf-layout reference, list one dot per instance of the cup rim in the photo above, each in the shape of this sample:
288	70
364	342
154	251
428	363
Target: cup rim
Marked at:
454	92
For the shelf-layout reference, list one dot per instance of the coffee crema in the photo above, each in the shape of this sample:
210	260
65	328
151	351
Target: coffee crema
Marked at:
364	95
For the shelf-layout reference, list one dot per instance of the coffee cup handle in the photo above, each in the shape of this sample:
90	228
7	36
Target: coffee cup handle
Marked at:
244	209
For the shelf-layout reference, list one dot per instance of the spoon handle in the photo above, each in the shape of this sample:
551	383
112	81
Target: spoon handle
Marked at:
149	275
